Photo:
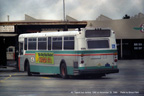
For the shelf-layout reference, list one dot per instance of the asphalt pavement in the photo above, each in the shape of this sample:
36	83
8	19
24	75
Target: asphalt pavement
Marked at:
128	82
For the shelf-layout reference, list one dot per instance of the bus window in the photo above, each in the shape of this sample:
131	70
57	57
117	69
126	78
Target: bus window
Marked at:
69	43
41	43
32	43
49	43
92	44
25	43
57	43
97	33
21	48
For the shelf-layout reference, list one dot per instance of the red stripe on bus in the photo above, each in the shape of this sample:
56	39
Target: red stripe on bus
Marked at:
60	54
66	55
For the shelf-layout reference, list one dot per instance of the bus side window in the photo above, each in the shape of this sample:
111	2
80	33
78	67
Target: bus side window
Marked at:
69	43
49	43
42	43
21	48
57	43
32	43
25	44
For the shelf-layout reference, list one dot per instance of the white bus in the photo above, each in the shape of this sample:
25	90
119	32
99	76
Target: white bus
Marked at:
87	52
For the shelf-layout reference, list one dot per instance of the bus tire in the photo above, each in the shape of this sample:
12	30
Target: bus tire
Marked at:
28	69
63	71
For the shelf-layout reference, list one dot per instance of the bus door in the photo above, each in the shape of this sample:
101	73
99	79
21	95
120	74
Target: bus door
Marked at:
21	55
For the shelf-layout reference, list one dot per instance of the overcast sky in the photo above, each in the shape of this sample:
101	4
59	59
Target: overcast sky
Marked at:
78	9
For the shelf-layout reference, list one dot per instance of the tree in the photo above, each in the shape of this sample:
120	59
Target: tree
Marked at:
126	17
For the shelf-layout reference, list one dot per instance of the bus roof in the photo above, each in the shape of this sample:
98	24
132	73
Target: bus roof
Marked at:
52	34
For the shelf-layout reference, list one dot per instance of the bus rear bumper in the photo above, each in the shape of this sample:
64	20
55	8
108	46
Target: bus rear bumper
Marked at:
95	71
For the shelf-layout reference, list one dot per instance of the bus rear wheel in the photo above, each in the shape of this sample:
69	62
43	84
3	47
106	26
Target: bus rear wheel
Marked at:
63	71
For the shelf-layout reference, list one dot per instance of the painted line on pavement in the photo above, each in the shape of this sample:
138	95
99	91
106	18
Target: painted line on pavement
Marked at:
45	77
1	81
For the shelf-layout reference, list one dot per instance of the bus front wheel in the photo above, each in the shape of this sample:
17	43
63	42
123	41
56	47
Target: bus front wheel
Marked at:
28	69
63	71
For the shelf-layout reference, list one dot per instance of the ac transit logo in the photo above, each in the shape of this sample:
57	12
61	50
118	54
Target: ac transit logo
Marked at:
141	28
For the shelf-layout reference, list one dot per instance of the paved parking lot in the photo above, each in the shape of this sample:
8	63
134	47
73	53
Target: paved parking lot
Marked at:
128	82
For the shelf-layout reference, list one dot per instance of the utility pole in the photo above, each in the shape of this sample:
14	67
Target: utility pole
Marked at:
65	26
8	17
64	10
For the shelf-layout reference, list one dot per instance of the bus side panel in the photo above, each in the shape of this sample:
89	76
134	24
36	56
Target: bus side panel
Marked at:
42	67
21	63
70	58
45	69
70	70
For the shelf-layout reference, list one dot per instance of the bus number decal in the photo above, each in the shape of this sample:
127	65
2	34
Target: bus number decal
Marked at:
32	59
113	46
46	58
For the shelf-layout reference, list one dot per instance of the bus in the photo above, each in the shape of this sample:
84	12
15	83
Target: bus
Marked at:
90	51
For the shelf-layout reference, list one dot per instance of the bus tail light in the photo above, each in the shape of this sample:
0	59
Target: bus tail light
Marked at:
82	61
115	57
115	60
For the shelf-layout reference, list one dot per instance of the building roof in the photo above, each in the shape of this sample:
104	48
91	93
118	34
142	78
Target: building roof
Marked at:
40	23
124	28
68	18
139	15
103	18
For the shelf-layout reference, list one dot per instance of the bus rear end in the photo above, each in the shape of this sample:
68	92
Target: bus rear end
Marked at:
98	52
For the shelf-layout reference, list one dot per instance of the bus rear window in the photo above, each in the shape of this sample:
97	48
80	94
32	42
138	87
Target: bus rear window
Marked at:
94	44
97	33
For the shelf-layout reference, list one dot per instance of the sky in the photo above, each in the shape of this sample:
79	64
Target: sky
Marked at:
78	9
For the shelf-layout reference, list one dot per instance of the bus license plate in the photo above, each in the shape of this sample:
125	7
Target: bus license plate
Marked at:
95	57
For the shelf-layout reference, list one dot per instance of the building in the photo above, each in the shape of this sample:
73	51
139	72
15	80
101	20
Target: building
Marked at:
10	30
129	34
